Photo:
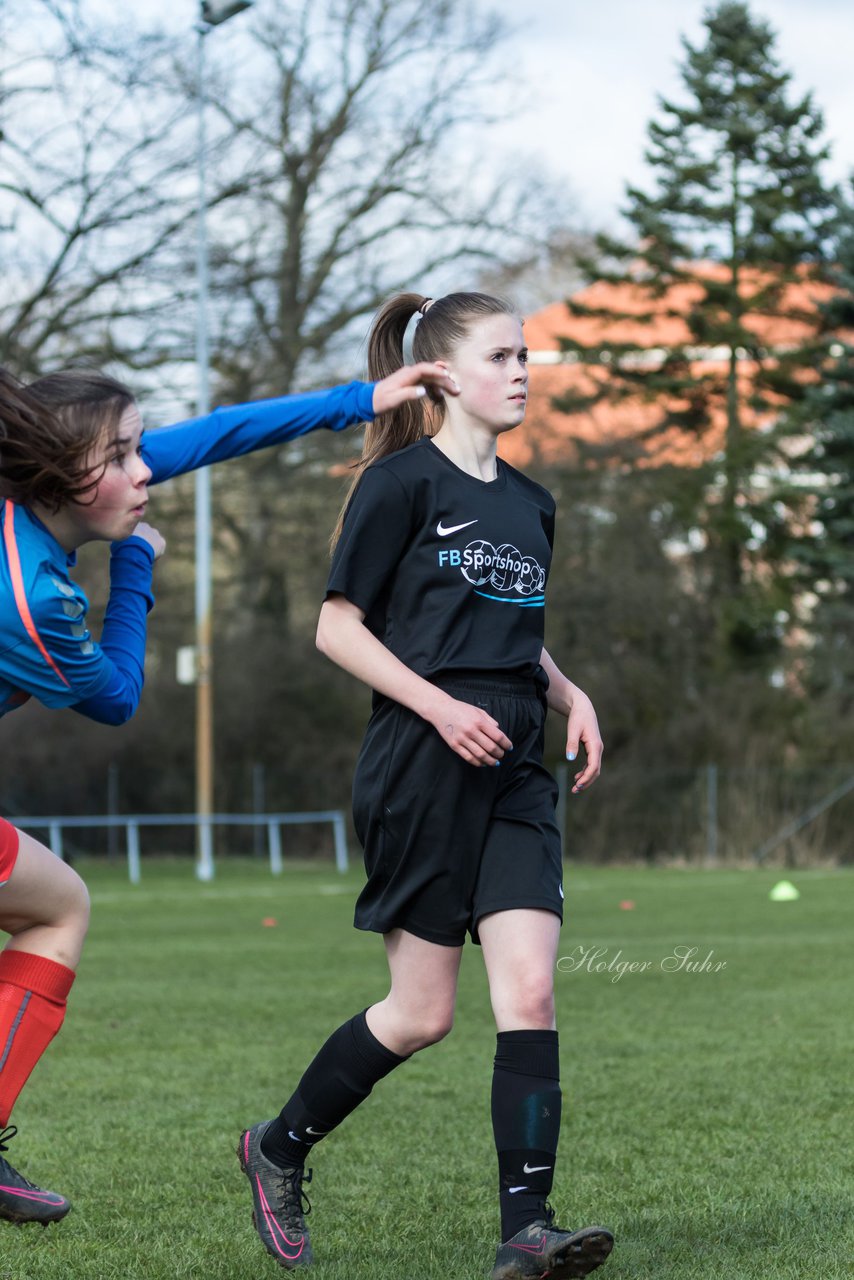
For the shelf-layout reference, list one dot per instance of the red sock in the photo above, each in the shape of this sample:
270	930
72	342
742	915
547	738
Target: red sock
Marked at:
33	992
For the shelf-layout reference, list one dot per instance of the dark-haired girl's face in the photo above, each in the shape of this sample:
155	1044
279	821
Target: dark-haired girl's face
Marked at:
120	498
491	367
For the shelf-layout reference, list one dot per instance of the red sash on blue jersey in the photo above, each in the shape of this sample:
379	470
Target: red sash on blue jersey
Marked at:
19	592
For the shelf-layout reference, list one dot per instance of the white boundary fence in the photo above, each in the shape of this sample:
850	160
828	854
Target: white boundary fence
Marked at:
132	823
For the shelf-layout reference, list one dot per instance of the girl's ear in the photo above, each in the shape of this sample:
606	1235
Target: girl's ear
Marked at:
435	394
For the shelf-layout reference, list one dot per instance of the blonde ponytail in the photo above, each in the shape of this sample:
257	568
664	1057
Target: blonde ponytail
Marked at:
405	424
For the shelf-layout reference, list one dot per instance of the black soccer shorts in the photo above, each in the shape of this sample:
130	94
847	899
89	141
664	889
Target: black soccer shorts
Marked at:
447	842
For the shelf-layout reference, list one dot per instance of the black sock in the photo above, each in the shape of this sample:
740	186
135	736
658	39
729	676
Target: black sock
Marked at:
526	1123
340	1077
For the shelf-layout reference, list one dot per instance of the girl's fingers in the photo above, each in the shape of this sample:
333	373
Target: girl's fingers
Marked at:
475	736
491	737
152	536
489	748
584	779
436	376
493	731
419	391
408	384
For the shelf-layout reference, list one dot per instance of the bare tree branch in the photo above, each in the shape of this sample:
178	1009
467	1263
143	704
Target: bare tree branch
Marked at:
90	159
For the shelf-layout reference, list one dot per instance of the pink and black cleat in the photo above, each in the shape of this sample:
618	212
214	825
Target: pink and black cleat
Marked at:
279	1202
20	1199
544	1250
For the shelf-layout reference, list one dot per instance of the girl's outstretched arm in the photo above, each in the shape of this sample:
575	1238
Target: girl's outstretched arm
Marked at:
582	725
343	637
239	429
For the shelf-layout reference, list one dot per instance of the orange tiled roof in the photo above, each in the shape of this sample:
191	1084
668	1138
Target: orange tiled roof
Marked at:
550	435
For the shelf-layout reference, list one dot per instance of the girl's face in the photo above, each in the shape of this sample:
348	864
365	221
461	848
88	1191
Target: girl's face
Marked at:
491	367
119	501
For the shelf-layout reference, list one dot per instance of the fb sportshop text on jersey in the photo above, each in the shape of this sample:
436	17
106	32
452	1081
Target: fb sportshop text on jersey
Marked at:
503	567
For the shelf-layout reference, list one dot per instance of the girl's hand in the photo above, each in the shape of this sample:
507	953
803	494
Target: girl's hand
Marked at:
471	732
152	537
583	727
410	383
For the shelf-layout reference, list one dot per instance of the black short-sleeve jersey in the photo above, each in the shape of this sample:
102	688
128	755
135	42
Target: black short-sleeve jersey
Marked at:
449	570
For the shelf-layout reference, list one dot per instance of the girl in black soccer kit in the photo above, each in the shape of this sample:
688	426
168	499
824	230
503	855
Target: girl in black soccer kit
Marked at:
435	599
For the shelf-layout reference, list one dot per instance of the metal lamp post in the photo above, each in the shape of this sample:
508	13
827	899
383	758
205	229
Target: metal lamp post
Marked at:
212	14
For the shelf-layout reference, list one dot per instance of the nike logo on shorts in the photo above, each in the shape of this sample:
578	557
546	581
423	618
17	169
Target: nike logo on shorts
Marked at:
452	528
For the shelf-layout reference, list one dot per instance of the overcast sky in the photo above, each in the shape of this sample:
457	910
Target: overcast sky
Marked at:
592	72
587	73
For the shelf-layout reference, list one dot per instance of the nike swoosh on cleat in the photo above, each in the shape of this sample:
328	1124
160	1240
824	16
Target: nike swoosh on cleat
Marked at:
531	1248
273	1227
453	528
534	1168
41	1197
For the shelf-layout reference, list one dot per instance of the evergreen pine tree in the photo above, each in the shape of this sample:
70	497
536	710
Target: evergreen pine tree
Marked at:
821	492
739	215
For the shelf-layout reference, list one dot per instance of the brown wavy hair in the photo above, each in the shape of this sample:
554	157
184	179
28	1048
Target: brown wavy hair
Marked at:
441	328
48	431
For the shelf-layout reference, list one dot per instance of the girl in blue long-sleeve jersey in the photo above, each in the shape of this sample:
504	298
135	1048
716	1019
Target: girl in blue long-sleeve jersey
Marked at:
75	467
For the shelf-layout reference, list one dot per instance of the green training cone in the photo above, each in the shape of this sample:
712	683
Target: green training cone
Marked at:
784	891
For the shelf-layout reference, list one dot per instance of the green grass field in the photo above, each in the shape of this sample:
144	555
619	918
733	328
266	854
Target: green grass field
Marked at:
707	1113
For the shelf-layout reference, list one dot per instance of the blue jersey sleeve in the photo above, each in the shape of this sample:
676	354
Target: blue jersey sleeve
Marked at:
239	429
124	632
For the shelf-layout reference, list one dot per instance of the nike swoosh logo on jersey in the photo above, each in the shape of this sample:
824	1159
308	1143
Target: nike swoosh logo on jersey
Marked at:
534	1168
453	528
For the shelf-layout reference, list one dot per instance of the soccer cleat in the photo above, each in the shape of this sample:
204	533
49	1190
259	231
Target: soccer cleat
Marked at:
279	1202
20	1199
545	1251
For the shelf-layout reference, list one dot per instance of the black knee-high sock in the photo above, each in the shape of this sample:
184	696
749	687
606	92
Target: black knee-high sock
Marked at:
340	1077
526	1102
